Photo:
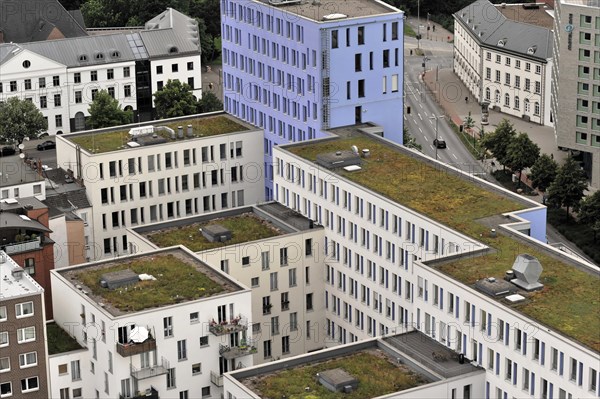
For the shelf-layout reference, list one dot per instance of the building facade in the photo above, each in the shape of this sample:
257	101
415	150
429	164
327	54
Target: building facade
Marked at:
22	333
576	82
296	70
503	62
62	77
165	179
385	260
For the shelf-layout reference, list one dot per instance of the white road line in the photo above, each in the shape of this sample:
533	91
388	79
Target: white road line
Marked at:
420	117
425	137
432	147
454	156
420	105
431	121
420	130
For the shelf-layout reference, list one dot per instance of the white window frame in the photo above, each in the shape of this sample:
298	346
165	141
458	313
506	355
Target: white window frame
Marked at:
23	360
11	390
3	314
7	369
7	340
27	383
22	334
19	310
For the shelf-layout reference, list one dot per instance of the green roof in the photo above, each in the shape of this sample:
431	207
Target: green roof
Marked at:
244	228
59	341
99	142
569	301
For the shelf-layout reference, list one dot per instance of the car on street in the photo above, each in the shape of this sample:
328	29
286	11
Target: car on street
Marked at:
439	143
46	145
6	151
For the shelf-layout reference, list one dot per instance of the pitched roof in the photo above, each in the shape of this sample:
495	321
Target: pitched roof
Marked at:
169	33
34	20
492	29
67	202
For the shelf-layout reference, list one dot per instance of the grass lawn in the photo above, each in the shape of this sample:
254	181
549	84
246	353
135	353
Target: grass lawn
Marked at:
580	234
58	340
176	281
409	31
376	375
112	141
244	228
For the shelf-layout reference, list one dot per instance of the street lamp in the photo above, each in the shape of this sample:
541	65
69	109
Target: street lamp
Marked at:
435	143
418	23
425	59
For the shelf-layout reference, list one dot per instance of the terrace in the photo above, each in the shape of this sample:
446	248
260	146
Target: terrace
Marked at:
569	301
245	227
113	140
179	277
59	341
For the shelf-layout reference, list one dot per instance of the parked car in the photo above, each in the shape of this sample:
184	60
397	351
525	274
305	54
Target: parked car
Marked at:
6	151
46	145
439	143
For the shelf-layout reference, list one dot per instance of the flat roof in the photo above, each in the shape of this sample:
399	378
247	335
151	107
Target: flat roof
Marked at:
586	3
382	366
539	16
59	341
114	139
178	277
246	224
471	207
349	8
15	171
18	284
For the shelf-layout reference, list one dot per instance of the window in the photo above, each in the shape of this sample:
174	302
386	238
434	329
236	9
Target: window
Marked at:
4	364
358	62
267	349
204	340
334	39
497	76
206	391
184	395
361	88
190	82
168	326
517	81
507	78
43	102
275	325
27	84
159	69
194	317
283	256
171	378
56	81
110	74
361	35
29	384
26	334
527	84
309	301
174	67
13	85
498	58
93	76
63	369
57	101
42	83
75	370
78	97
5	389
394	30
28	359
273	281
126	72
190	66
254	281
386	58
181	350
196	368
24	309
292	277
3	338
285	344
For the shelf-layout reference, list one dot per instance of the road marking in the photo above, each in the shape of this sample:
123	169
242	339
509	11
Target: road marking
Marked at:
431	121
420	130
425	137
420	117
420	105
454	156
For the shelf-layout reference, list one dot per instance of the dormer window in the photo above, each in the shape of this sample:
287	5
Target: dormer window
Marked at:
531	50
173	50
501	42
115	54
99	56
83	58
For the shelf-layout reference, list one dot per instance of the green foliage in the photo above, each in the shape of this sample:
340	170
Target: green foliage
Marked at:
543	172
568	187
580	234
521	153
175	99
105	111
497	142
58	340
589	212
209	103
19	119
469	123
410	142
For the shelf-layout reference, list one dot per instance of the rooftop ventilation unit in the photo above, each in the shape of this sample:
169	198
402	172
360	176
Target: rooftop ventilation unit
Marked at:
527	272
17	273
333	17
216	233
118	279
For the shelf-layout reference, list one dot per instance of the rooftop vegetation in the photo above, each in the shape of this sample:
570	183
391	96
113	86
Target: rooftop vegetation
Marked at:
375	373
58	340
176	281
244	228
116	140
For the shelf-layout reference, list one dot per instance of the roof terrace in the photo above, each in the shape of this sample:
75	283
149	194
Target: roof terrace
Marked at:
569	300
108	140
177	277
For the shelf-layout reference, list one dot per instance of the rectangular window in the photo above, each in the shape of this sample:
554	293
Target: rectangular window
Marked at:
361	35
56	81
75	370
283	257
171	378
26	334
181	350
126	72
168	326
361	88
29	384
196	368
94	76
110	74
24	309
334	39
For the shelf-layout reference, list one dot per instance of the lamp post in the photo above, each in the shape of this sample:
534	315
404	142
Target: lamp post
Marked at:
435	143
418	23
425	59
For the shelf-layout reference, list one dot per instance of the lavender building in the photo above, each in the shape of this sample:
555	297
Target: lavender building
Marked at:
297	68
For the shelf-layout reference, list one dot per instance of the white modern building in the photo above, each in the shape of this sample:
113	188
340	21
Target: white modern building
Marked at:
161	173
19	181
63	76
576	82
153	325
413	244
505	58
283	266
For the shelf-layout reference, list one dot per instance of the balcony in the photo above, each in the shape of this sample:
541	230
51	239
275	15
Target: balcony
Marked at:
149	372
216	379
131	349
232	352
23	246
227	327
149	393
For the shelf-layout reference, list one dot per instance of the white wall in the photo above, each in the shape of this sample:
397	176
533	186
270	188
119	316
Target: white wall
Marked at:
182	74
58	225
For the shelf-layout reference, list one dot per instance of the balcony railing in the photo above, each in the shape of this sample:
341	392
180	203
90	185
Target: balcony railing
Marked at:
149	393
23	246
227	327
216	379
151	371
131	349
232	352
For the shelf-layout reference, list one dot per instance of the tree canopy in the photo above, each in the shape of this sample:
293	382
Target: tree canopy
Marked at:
543	172
568	187
209	103
498	141
175	99
589	212
20	119
521	153
105	111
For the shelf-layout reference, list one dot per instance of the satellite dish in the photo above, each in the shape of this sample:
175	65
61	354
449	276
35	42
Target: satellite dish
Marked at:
21	146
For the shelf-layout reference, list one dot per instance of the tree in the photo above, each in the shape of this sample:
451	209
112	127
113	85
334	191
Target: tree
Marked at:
543	172
175	99
409	141
521	153
568	187
589	212
497	142
209	103
20	119
105	111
